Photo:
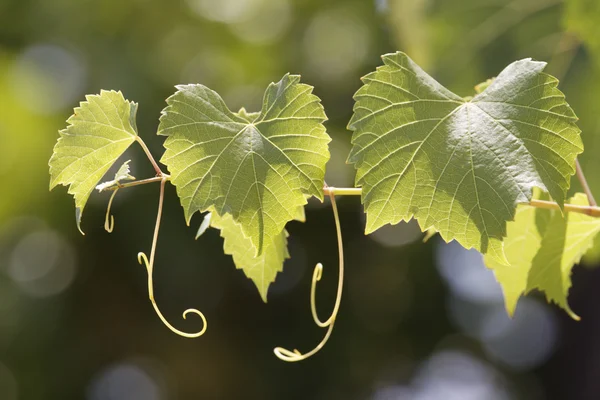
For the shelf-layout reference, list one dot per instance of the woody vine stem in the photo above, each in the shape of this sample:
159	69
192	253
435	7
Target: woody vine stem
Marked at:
282	353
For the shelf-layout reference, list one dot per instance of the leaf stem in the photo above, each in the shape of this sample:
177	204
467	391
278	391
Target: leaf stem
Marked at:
143	259
159	172
584	184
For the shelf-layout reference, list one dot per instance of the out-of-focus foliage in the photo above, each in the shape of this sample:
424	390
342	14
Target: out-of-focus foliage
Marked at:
581	18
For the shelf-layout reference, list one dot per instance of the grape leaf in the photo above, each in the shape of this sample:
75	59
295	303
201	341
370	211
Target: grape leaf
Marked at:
460	166
123	174
523	240
261	269
99	131
542	247
258	167
204	225
592	257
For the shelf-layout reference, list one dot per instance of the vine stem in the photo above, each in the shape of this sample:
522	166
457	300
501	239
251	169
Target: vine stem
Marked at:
584	184
143	259
159	172
329	190
592	210
123	185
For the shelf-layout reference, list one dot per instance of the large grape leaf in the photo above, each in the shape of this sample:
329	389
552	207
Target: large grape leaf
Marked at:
258	167
542	247
458	165
261	269
99	131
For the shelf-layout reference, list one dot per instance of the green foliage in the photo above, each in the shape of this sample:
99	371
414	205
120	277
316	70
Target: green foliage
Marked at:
258	167
460	166
581	18
542	247
463	167
99	131
261	269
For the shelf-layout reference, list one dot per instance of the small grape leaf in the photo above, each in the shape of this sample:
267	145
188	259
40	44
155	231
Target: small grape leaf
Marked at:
261	269
460	166
123	174
99	131
256	167
542	247
204	225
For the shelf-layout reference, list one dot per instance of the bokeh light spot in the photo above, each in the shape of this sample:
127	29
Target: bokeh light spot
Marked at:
126	381
42	264
47	78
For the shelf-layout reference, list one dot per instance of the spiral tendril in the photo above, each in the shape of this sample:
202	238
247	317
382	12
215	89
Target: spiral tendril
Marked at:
110	225
295	355
149	264
142	259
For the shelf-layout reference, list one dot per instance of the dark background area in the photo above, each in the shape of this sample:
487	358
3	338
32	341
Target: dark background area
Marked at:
417	321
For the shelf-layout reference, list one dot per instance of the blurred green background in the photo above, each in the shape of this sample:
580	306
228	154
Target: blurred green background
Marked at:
418	321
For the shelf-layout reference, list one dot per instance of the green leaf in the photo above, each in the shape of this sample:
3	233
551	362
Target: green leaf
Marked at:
542	247
99	131
123	174
459	166
261	269
204	225
258	168
300	214
592	257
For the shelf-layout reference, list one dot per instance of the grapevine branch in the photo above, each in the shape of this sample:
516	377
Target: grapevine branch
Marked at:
284	354
591	210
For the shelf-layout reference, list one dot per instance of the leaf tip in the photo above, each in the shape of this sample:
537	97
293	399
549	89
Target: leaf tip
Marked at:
510	304
570	313
429	233
78	212
263	295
